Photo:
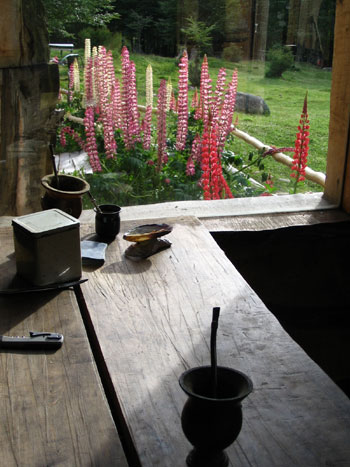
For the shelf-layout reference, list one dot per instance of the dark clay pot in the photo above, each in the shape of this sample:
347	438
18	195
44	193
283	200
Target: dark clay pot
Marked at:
67	196
107	222
212	424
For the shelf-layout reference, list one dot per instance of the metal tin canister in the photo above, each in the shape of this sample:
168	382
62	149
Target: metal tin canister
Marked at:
47	247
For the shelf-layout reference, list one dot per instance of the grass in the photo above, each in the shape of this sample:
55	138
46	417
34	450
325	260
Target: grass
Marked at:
284	96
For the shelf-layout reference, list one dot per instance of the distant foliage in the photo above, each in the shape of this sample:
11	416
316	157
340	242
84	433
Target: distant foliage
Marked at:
198	34
65	16
99	35
232	53
279	60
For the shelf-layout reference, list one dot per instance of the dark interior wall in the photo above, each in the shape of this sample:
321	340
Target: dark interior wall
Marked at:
302	274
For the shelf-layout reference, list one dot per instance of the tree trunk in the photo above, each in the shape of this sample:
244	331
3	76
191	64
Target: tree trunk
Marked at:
293	21
307	37
261	23
185	9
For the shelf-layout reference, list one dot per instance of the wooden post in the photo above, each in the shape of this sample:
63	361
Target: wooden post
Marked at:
337	188
346	193
28	94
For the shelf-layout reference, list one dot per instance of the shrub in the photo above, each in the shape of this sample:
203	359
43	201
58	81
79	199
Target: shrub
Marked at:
279	60
98	36
232	53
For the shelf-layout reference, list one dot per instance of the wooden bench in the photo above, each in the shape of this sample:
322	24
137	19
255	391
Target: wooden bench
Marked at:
62	47
53	409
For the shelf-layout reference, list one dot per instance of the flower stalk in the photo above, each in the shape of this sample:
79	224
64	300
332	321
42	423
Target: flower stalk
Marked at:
301	148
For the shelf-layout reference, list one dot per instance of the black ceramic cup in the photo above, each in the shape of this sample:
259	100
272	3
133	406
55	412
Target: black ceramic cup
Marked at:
107	222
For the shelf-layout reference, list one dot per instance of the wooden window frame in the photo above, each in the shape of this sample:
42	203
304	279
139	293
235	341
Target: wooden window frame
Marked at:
337	189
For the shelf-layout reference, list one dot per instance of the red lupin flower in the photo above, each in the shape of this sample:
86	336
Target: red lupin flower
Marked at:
301	148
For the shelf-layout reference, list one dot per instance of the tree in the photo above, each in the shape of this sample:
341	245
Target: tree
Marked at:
261	22
198	34
63	16
137	25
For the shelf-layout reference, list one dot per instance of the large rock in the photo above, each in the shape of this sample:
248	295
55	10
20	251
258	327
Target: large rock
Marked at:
250	104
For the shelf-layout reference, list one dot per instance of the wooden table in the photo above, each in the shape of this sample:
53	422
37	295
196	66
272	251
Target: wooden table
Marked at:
151	321
53	409
145	324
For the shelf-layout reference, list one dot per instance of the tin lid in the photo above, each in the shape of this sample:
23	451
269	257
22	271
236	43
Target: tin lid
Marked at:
45	222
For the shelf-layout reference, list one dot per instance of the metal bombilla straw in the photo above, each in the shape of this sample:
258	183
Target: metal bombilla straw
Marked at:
54	166
94	202
214	370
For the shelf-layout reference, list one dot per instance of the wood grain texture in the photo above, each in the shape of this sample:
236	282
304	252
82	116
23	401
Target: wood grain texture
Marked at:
52	406
152	320
228	208
24	33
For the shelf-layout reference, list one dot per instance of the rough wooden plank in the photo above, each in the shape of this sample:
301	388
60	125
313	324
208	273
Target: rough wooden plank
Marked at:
239	214
28	121
24	33
223	208
153	319
52	406
273	221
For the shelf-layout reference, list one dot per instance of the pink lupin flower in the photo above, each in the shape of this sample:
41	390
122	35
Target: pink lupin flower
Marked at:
225	119
173	103
125	97
182	123
203	110
69	131
131	126
63	139
196	149
195	100
105	106
301	148
88	88
190	168
134	112
219	93
91	146
110	73
70	82
116	104
147	128
161	124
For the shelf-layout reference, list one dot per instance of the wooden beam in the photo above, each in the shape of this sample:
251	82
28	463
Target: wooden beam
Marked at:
316	177
346	193
338	177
